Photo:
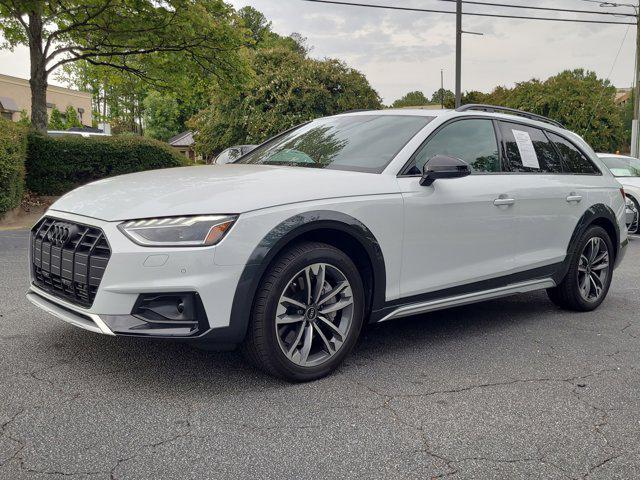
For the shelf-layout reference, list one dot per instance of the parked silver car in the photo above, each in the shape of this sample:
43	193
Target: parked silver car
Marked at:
231	154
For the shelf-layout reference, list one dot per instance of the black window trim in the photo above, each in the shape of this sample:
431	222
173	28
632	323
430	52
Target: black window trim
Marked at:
598	171
553	145
402	172
504	161
347	114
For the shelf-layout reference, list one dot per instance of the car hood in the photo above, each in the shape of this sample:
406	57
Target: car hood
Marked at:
215	189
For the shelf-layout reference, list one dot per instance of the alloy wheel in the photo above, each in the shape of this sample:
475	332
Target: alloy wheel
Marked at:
314	314
593	269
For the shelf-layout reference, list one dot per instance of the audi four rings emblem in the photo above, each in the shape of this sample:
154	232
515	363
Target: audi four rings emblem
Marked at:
61	233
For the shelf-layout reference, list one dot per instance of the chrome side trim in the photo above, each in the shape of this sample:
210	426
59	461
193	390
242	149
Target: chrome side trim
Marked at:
441	303
65	311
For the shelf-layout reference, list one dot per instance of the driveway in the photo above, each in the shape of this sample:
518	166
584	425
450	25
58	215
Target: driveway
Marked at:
512	388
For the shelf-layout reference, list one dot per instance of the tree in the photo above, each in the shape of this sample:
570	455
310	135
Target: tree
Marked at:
258	25
411	99
442	94
162	116
56	120
71	118
578	99
288	89
118	34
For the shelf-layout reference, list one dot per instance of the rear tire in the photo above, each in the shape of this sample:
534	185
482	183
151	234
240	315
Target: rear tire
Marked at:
587	281
307	313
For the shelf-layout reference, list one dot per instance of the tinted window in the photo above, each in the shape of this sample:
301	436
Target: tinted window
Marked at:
574	160
473	141
228	156
529	150
363	143
623	166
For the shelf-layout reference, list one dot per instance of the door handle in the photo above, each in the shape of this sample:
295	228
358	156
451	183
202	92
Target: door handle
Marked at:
574	197
498	202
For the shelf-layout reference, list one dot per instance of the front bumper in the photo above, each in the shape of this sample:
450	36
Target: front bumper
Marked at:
133	271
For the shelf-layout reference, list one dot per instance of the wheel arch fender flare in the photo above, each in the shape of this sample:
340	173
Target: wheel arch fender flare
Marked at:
595	214
274	242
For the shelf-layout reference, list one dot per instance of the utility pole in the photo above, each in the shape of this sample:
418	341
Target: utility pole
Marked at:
459	52
636	93
441	89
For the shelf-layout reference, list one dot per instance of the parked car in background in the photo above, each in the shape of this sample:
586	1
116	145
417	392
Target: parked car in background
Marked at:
626	169
632	216
231	154
79	133
358	218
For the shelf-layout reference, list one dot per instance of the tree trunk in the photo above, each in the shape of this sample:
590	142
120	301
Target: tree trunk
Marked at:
38	80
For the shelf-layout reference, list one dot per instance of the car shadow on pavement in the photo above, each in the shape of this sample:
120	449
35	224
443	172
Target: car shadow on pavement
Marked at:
171	364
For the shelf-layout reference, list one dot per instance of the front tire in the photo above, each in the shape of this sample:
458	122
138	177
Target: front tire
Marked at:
307	314
587	281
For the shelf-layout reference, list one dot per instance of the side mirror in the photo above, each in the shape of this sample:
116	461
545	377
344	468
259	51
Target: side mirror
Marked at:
443	166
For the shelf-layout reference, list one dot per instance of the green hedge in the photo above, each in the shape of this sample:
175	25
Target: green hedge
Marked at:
13	148
56	165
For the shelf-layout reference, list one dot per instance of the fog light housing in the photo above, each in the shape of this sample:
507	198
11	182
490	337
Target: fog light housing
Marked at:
170	310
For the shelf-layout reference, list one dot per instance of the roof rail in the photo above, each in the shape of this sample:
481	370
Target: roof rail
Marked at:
510	111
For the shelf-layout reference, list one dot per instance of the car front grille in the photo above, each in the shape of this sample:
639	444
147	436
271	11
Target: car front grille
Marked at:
68	259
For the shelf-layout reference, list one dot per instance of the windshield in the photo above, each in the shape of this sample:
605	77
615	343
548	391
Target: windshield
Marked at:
623	166
359	143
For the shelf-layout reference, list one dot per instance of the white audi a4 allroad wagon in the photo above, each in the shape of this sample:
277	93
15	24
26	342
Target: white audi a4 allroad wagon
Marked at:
357	218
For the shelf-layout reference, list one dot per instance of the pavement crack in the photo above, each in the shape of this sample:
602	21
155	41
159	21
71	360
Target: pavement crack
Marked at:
600	465
153	445
627	326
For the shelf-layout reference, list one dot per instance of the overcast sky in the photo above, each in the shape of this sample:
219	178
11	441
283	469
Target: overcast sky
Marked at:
404	51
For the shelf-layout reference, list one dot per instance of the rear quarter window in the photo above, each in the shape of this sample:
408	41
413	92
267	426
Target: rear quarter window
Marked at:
574	161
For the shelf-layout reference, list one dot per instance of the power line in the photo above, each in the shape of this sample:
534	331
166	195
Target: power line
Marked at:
610	4
473	14
549	9
593	114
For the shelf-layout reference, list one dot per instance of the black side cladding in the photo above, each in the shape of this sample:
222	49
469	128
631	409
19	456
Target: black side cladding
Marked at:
273	243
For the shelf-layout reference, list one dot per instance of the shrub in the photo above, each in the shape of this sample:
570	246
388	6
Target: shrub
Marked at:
56	165
13	150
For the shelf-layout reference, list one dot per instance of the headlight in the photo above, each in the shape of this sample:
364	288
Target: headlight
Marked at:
197	231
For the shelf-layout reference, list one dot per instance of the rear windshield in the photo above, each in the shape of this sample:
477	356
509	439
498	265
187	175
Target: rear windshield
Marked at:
623	166
359	143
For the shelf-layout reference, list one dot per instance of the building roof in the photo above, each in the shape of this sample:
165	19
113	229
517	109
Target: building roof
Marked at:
184	139
23	82
7	103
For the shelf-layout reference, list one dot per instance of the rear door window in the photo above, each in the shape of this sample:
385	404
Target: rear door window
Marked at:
574	160
528	149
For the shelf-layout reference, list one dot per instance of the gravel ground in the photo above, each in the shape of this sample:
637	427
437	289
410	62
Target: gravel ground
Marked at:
512	388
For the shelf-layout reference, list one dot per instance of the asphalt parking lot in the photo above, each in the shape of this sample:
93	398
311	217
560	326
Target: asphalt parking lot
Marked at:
512	388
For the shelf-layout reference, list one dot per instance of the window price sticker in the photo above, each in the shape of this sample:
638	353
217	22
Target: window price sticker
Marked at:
527	152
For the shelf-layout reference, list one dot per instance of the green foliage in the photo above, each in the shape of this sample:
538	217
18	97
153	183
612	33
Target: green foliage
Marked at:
162	116
166	114
13	149
71	118
55	165
411	99
578	99
257	24
24	119
144	38
56	120
449	96
63	121
288	89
